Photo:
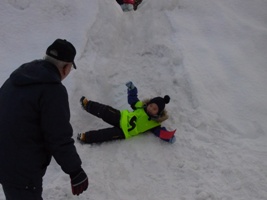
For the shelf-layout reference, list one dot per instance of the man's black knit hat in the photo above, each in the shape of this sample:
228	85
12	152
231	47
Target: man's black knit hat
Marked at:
62	50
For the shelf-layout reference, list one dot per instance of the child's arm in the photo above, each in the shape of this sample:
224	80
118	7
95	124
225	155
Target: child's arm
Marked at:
164	134
132	94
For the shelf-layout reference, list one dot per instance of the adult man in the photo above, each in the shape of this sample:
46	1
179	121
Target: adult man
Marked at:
34	125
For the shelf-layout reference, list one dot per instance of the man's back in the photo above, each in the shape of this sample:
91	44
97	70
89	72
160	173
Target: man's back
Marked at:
30	123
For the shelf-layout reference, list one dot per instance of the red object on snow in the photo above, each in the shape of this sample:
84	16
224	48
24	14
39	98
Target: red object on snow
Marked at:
164	134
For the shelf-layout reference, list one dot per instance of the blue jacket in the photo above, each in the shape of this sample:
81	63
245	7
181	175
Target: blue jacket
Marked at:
34	125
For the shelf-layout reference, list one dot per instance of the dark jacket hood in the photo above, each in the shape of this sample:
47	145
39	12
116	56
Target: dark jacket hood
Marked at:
36	72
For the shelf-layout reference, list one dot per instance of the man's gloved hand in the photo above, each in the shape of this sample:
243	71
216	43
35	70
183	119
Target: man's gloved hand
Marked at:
79	182
130	85
84	102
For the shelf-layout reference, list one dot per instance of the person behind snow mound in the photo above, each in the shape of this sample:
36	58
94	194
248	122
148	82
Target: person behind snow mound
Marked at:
128	5
147	115
34	125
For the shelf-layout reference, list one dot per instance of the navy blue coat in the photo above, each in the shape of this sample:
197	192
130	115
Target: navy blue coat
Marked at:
34	125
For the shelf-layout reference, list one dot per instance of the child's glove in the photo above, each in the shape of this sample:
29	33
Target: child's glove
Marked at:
165	135
130	85
172	140
84	102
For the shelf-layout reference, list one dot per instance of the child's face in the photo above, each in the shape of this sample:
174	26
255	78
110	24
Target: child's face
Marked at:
152	109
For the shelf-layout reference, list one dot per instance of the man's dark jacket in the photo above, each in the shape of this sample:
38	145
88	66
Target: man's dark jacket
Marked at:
34	125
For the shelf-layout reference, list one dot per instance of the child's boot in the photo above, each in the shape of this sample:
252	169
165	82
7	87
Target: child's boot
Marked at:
81	137
84	101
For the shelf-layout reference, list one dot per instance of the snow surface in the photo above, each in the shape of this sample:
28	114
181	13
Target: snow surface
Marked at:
209	56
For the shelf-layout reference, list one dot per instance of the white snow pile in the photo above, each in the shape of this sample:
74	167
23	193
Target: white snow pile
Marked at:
209	56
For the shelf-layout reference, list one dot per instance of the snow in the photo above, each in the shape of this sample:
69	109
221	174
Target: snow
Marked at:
209	56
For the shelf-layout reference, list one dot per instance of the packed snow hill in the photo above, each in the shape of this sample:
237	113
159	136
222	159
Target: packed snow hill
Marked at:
208	56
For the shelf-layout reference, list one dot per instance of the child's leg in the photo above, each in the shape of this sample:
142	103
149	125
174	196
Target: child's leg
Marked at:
107	113
103	135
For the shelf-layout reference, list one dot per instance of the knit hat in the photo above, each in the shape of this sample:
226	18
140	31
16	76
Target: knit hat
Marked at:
62	50
160	102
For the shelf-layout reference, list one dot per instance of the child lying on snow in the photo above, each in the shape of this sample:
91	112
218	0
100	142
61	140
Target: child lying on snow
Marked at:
146	116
